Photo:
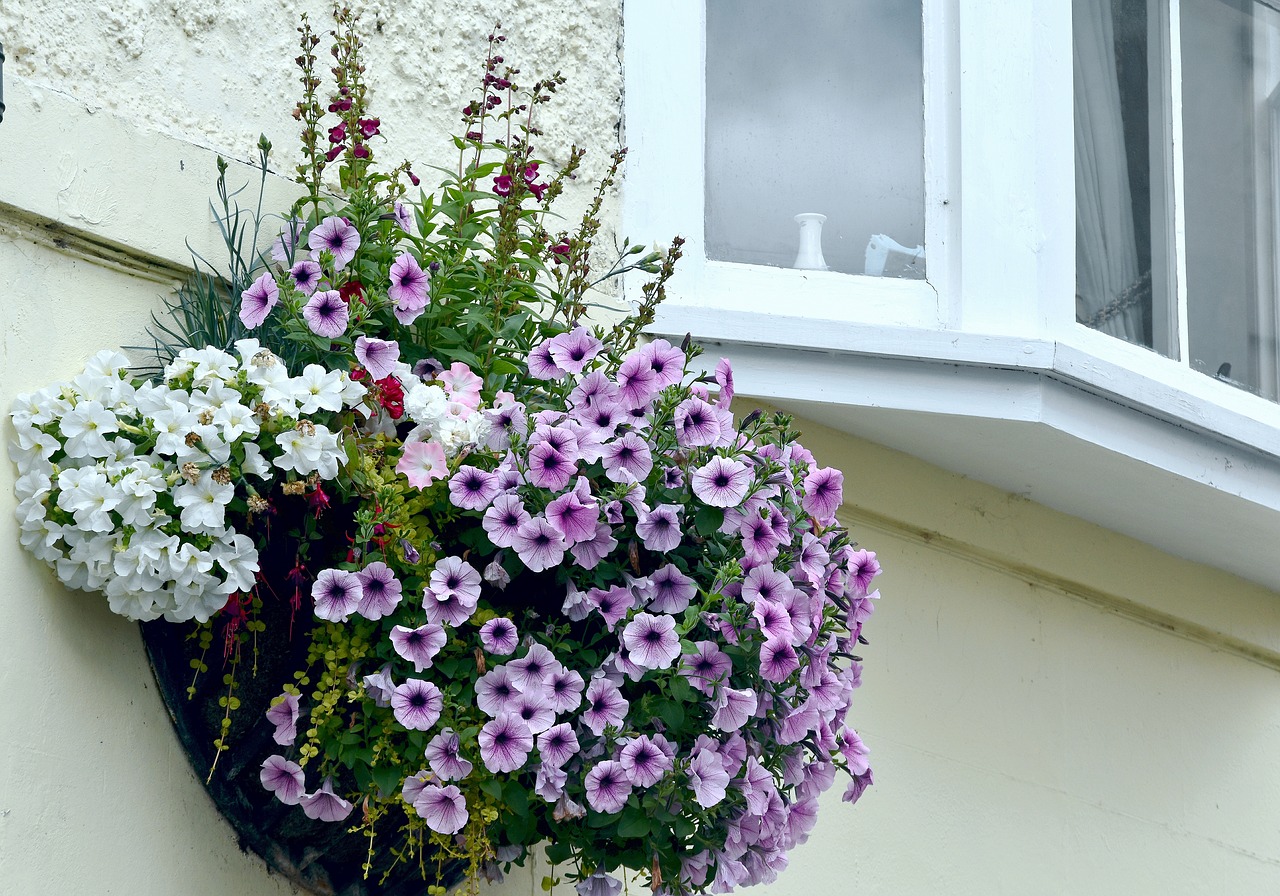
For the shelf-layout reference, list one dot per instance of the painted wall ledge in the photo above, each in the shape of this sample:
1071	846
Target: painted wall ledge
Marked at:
1039	419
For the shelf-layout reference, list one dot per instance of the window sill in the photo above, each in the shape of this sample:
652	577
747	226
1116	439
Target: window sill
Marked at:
1108	432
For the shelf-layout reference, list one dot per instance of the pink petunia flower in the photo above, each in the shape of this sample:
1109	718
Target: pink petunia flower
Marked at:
423	463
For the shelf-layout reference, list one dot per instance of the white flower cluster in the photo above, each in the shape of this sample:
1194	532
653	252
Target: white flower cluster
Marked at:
449	416
124	486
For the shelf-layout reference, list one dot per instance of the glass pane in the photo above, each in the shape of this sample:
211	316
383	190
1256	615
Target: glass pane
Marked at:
1230	105
816	107
1117	89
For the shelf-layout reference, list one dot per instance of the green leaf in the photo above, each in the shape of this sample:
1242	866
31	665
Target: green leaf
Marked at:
634	823
671	712
708	520
557	853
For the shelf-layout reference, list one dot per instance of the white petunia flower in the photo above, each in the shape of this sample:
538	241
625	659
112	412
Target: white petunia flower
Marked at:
319	389
203	503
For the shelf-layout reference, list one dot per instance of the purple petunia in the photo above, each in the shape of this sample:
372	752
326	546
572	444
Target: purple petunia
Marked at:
417	704
665	360
734	707
557	745
418	645
823	492
503	519
539	544
637	382
498	636
722	482
696	424
284	715
605	706
473	489
708	667
505	743
283	778
444	756
644	762
444	808
257	301
306	276
708	778
325	805
496	693
659	528
454	577
564	689
627	458
607	787
651	640
589	553
778	660
574	518
408	289
337	594
380	591
549	467
337	237
612	603
326	314
541	365
571	351
379	356
672	590
531	670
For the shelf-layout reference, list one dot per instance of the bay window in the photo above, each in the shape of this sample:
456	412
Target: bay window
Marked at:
1177	148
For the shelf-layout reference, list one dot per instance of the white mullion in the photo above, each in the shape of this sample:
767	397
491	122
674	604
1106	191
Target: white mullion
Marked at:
1175	174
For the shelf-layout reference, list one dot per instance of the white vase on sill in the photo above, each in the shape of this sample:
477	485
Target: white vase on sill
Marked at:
809	258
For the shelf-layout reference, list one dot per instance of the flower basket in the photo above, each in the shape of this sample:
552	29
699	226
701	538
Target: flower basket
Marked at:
432	569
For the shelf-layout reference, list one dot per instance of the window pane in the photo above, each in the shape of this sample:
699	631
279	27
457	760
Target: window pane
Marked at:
1115	83
815	106
1231	72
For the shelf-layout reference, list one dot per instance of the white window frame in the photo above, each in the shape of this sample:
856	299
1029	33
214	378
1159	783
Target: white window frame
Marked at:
665	130
982	368
999	222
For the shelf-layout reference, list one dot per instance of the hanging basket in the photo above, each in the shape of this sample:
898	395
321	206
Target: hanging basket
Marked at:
322	857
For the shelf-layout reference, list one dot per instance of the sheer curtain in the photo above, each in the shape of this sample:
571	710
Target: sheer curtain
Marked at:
1110	290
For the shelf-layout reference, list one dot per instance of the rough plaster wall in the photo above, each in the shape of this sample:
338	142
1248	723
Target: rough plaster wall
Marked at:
220	73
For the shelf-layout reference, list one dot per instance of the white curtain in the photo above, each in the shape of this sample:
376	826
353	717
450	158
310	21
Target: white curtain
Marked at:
1108	293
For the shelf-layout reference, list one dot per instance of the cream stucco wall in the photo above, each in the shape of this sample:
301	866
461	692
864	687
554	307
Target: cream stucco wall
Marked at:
1051	708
